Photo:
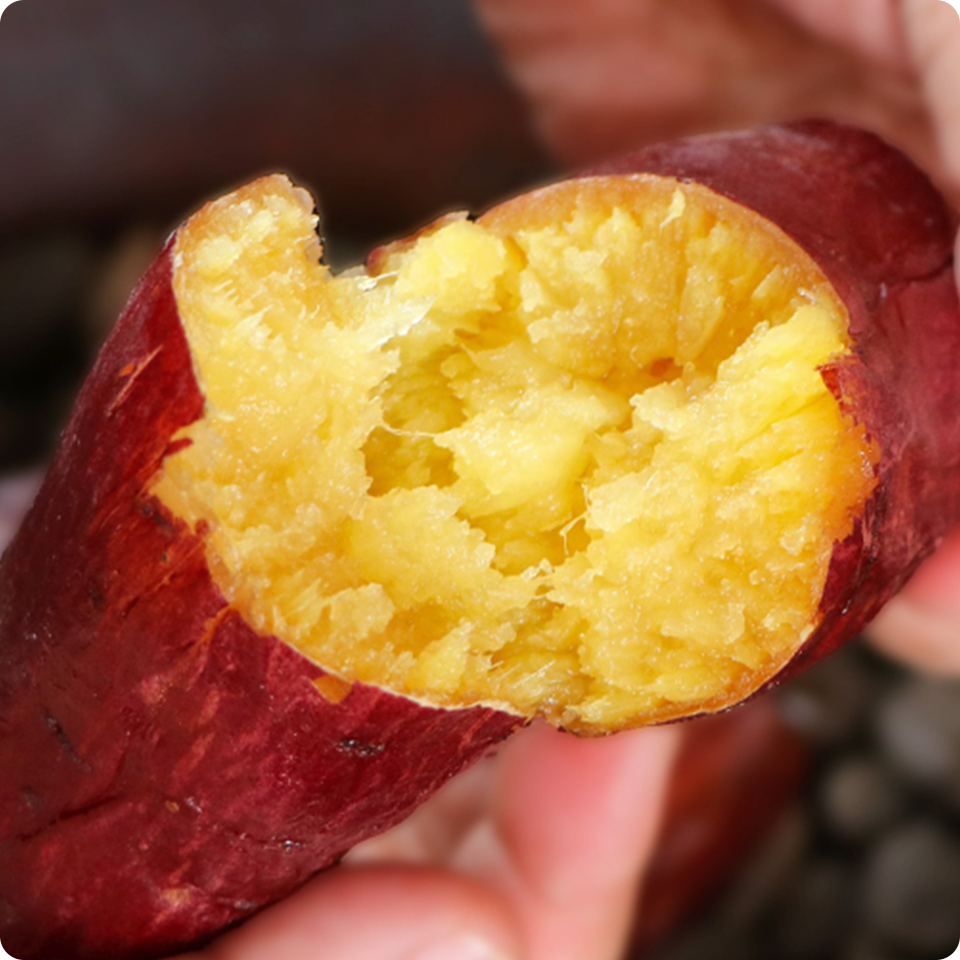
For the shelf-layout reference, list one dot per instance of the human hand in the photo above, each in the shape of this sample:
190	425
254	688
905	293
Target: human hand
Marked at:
610	75
535	854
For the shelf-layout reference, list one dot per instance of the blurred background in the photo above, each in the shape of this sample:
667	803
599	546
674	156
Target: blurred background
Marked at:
820	823
118	118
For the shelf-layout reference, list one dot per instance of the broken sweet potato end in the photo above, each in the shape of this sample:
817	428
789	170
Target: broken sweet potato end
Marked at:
573	459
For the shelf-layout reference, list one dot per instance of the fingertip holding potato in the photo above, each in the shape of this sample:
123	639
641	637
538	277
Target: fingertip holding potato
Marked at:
625	449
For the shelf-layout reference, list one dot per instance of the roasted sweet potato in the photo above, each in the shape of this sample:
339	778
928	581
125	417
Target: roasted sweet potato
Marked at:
624	449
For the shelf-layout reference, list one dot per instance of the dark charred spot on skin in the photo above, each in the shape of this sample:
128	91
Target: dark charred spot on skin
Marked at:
95	594
358	748
64	742
150	509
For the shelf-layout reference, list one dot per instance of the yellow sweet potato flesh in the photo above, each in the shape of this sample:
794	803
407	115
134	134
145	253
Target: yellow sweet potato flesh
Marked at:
574	459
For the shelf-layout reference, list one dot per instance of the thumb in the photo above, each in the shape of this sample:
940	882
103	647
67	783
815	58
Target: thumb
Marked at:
921	626
932	31
378	913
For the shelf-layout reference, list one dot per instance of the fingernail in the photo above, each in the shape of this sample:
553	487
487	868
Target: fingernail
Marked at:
461	948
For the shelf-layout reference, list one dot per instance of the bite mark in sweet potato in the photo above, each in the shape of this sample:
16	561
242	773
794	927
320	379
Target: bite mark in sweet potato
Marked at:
575	459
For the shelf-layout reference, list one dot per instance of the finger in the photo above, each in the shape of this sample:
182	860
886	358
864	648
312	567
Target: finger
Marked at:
932	29
921	626
601	76
924	638
573	826
378	913
870	28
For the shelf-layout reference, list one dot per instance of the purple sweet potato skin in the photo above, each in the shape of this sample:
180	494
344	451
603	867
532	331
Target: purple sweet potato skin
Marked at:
884	237
166	770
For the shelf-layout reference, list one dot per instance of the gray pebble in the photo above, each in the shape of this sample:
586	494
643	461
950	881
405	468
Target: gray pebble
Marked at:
918	730
858	798
817	911
865	947
911	892
830	702
706	942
